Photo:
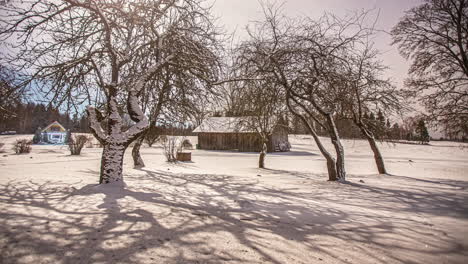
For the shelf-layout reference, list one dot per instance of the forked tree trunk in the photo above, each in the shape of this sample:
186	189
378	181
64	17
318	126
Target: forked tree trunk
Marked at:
379	161
335	139
263	153
114	140
137	159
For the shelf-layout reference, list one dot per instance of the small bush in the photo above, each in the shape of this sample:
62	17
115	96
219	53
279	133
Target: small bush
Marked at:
22	146
170	146
1	147
77	143
186	144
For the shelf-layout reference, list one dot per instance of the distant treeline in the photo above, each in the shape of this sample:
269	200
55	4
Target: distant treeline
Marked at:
413	129
27	118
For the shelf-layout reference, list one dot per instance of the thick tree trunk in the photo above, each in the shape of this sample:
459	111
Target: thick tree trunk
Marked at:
114	140
261	158
335	139
379	161
112	162
137	160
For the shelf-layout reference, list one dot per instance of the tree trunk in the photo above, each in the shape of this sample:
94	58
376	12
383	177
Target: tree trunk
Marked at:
137	160
331	165
335	139
114	140
263	152
379	161
112	162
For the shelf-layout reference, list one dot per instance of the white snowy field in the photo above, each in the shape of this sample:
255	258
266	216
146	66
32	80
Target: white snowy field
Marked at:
221	209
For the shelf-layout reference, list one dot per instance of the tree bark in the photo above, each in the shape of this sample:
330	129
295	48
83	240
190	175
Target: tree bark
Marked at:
379	161
112	162
114	140
263	152
137	159
331	164
335	139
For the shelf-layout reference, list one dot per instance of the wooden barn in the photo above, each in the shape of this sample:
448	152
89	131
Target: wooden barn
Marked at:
229	133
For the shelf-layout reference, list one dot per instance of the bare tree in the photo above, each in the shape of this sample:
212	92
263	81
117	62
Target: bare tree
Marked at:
76	144
279	51
263	112
87	51
368	90
310	59
178	94
434	36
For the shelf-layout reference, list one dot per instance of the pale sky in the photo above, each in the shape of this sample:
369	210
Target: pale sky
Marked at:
236	14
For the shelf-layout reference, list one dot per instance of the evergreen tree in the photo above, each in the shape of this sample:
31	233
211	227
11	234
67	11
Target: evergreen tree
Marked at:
380	118
68	136
396	132
380	125
366	116
37	136
422	132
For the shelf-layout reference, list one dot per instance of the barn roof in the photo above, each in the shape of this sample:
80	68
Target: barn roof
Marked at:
52	124
224	125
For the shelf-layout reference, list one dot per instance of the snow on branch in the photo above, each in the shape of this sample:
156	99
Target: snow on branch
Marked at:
95	124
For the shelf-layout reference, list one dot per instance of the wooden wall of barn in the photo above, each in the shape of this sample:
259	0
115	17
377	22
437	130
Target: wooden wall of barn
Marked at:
244	142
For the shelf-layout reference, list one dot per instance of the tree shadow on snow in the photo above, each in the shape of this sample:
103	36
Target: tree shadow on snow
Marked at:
162	217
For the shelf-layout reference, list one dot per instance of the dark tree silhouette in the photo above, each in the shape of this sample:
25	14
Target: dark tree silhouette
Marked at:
422	133
434	36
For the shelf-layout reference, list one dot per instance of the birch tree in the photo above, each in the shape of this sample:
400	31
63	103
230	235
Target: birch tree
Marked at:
89	51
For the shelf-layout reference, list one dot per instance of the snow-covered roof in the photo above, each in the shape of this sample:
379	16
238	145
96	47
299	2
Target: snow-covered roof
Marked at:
224	125
55	123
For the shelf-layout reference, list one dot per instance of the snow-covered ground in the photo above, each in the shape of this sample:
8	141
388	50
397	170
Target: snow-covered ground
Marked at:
221	209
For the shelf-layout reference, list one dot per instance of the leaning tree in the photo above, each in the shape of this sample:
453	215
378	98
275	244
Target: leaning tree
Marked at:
102	53
301	56
434	36
367	89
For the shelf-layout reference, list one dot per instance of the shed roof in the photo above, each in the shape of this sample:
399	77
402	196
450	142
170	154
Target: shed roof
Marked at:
225	125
